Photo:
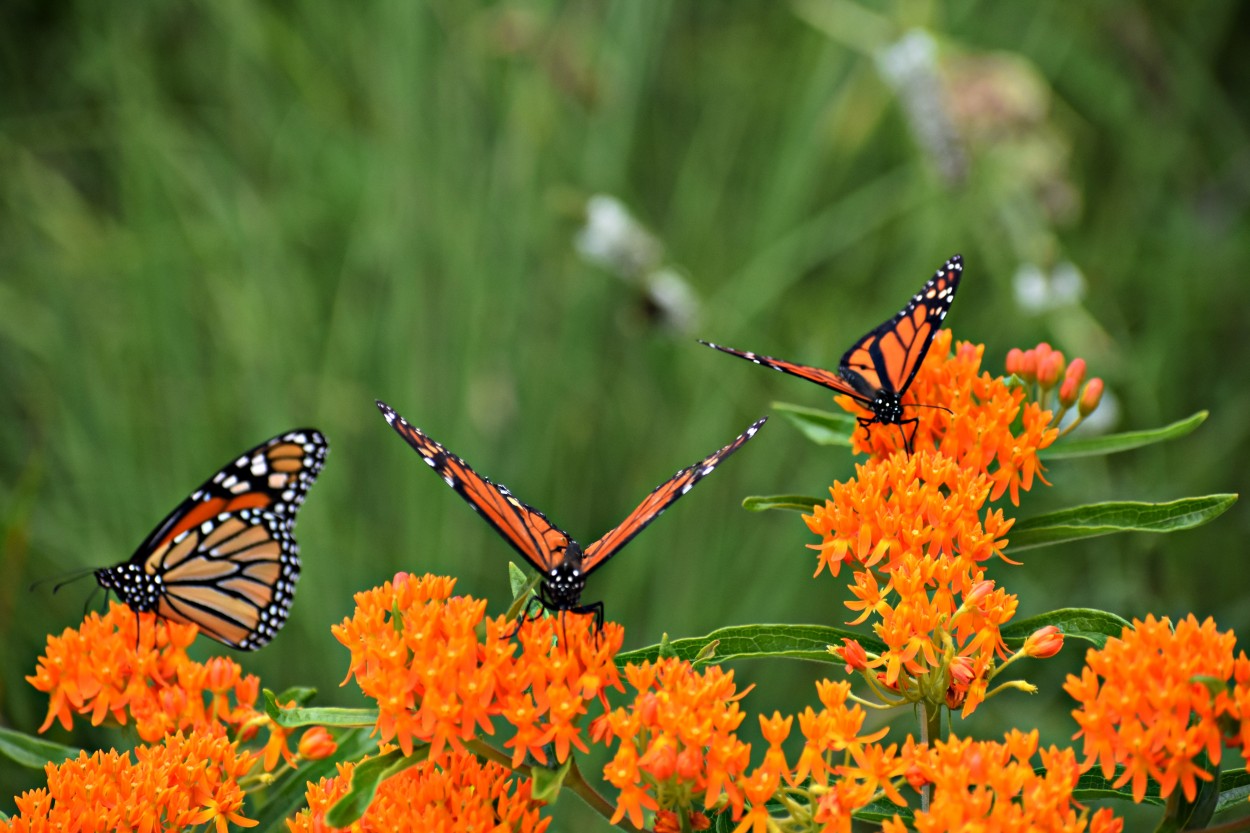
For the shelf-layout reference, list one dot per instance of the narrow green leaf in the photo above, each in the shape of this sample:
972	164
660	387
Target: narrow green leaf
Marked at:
288	794
1096	519
1093	787
795	503
1112	443
547	782
807	642
32	752
1234	788
1086	624
821	427
302	695
330	716
365	780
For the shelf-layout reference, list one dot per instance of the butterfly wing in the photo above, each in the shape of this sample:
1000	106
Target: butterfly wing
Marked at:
226	558
821	377
660	499
887	358
541	542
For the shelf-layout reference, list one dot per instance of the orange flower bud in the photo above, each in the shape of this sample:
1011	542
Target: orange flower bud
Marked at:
1044	642
1015	361
1075	371
853	654
1091	396
978	592
1050	369
1027	366
1072	379
317	743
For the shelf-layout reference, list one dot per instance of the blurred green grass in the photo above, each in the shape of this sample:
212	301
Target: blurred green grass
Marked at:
218	221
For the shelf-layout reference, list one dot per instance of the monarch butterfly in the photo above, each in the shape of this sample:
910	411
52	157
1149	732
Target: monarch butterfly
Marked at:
563	563
226	558
879	368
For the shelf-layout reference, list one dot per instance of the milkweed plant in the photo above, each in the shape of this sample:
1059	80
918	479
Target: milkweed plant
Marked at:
481	723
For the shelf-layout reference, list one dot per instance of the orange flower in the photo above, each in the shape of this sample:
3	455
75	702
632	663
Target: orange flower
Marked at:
317	743
1150	713
676	739
136	667
462	794
972	422
988	785
180	784
918	503
416	650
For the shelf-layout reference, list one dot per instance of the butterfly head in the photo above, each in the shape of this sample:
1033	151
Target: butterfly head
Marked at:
137	589
887	408
564	582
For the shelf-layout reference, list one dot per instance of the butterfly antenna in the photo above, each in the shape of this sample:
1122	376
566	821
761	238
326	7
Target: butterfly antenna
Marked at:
939	407
87	604
62	579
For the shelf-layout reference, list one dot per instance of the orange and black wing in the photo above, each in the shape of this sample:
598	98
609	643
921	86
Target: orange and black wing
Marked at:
887	358
541	542
826	378
660	499
226	559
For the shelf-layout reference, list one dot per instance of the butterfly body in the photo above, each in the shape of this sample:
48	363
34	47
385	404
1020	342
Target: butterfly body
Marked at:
226	558
879	368
562	562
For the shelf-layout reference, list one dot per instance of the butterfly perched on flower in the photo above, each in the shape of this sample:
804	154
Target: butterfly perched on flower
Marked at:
226	558
563	563
879	367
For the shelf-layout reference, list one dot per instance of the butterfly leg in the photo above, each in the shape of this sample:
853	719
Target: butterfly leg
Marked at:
909	439
864	422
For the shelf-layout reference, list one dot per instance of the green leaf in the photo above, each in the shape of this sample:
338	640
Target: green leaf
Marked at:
288	794
547	782
795	503
1096	519
302	695
821	427
1086	624
298	716
365	780
32	752
1234	788
523	588
809	642
1112	443
1093	787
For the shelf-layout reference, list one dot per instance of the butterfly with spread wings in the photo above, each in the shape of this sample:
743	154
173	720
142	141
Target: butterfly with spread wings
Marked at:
226	558
879	368
562	562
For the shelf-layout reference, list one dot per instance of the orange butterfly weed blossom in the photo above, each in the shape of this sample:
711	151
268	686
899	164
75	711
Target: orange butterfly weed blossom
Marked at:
198	721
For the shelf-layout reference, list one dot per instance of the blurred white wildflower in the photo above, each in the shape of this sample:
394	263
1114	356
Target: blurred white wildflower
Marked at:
614	240
910	66
1038	292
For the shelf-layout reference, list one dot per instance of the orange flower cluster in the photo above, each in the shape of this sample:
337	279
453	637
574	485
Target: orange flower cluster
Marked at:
677	739
915	522
987	785
1144	705
923	503
416	651
973	420
461	794
180	784
136	667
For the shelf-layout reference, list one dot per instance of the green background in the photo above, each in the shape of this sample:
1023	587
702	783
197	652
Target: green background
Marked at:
221	220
